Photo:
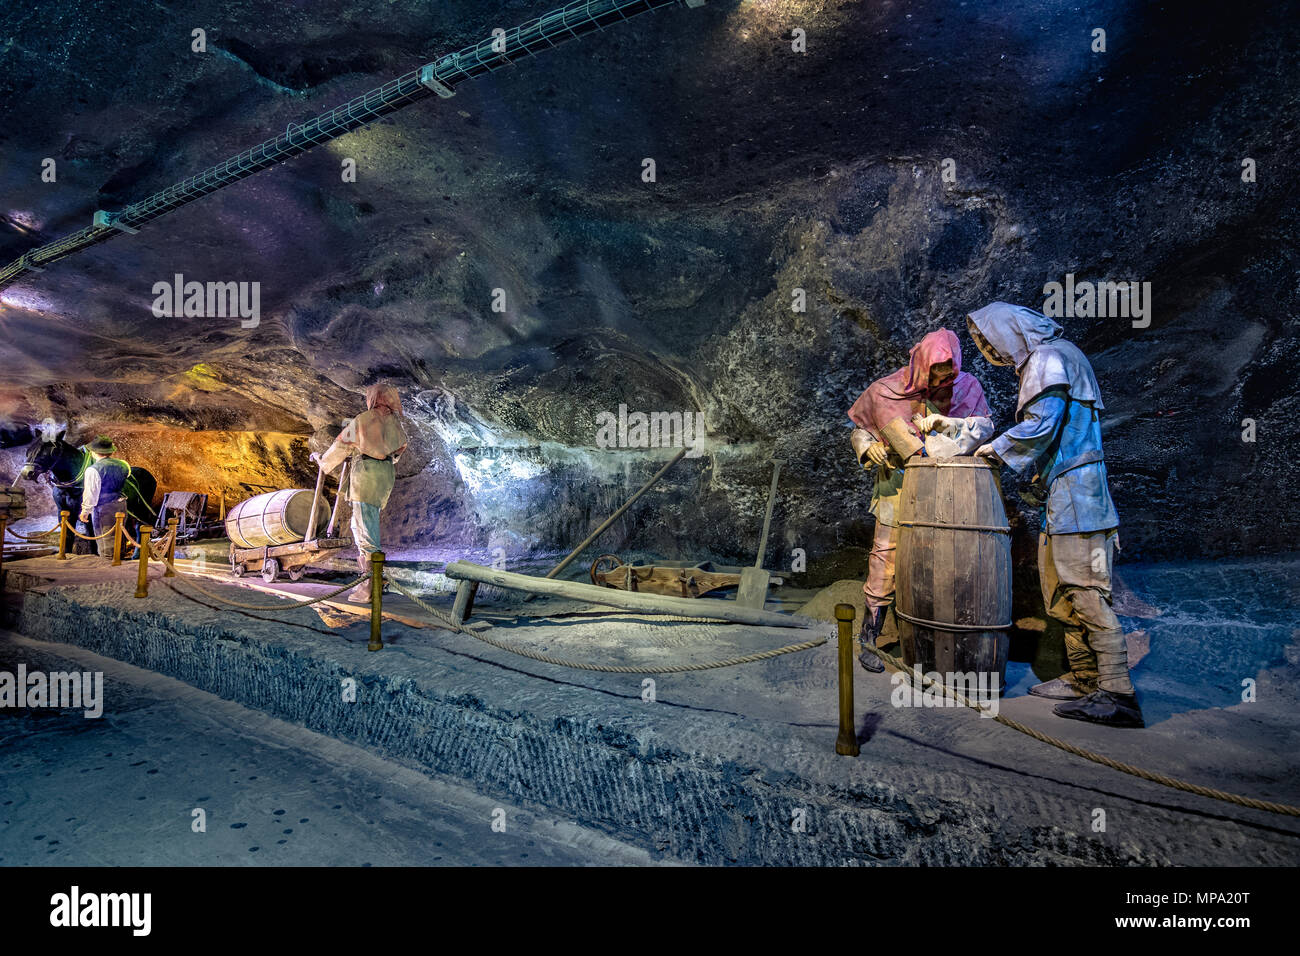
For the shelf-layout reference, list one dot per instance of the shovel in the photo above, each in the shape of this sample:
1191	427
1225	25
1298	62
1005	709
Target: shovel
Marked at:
754	581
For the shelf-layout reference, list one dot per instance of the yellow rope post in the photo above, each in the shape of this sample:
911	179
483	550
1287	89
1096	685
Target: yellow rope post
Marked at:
171	547
142	579
847	743
118	518
64	528
376	600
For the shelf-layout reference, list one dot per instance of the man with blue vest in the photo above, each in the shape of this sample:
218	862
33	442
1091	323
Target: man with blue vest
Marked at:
103	491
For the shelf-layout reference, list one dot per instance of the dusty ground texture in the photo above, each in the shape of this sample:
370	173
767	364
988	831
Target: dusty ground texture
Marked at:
717	766
122	790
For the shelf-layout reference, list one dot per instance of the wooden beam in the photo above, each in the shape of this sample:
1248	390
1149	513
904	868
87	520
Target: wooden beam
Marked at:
626	600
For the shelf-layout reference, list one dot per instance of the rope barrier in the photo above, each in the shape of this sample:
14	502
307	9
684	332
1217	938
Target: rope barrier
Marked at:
891	662
293	606
155	544
1173	782
610	668
85	537
32	537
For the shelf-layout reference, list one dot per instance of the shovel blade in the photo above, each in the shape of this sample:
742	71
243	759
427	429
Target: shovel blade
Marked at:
753	588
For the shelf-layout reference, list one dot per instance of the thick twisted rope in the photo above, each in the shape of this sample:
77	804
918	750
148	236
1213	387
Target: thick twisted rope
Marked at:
156	545
292	606
1173	782
446	622
609	668
85	537
33	537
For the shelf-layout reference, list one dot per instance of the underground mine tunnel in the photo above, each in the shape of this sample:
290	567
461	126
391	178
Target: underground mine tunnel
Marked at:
649	431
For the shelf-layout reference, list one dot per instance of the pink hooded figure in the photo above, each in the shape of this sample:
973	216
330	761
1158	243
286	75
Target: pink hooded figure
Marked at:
931	394
372	442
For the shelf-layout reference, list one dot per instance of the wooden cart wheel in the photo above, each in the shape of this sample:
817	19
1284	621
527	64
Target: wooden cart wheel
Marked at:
606	562
295	574
270	570
237	569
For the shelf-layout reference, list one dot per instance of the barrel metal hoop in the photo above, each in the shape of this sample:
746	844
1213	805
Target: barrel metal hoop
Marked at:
1000	529
941	626
948	463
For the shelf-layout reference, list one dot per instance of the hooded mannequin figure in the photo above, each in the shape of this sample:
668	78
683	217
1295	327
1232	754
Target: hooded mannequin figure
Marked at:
374	440
930	391
1057	439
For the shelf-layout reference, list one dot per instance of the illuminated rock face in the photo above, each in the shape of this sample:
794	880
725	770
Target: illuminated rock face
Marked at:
776	173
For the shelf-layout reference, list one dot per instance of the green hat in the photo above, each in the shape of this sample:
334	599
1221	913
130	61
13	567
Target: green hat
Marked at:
103	445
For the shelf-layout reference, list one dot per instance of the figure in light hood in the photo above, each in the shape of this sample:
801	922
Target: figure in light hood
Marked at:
1018	336
1057	439
371	443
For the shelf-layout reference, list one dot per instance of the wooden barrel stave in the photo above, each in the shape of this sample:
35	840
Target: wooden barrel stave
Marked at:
273	518
953	575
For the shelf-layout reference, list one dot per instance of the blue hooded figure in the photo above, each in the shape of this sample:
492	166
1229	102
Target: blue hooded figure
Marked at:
1057	439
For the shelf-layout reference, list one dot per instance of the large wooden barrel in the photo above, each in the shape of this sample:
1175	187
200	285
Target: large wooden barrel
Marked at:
277	517
953	564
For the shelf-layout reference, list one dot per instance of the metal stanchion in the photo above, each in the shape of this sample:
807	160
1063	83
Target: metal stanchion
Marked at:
4	527
847	742
118	518
171	547
142	579
376	600
64	534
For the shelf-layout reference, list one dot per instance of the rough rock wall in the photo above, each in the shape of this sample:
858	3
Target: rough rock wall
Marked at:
776	171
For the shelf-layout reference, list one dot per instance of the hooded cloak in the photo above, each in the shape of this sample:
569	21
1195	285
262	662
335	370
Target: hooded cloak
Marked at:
376	440
903	393
1015	335
1057	436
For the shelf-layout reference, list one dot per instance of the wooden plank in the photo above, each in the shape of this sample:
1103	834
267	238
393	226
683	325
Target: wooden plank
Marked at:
627	600
463	606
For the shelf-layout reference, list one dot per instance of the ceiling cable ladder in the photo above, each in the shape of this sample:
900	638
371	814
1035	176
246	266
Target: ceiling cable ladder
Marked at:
438	78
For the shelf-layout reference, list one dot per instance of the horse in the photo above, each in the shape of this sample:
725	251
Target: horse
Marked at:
63	465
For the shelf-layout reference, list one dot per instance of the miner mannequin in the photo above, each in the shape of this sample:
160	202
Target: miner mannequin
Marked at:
103	491
1058	440
892	417
373	441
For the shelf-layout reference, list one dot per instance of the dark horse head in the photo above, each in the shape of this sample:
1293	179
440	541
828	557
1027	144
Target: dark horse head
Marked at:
60	462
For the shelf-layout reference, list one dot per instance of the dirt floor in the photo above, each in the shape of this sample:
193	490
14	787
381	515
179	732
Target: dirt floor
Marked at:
740	745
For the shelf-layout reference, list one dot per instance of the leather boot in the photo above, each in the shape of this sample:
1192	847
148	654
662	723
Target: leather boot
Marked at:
1065	687
872	622
1104	707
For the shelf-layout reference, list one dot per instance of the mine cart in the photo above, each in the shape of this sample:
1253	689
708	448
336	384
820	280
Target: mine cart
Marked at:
189	508
276	531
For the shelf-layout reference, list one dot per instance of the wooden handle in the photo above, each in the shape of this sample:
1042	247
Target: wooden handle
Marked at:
767	518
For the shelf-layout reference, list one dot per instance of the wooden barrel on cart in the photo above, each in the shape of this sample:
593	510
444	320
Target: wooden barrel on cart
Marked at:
953	583
277	517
